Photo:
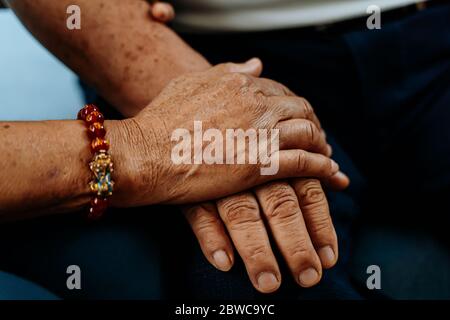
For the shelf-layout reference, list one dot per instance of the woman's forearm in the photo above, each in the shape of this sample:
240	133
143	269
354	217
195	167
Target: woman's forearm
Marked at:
44	166
120	50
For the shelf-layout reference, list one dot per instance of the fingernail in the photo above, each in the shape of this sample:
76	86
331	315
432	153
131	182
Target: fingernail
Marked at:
308	277
327	256
221	260
267	282
334	166
341	176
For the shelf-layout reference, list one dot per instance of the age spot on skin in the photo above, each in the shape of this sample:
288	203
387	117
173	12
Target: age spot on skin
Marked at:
131	56
52	173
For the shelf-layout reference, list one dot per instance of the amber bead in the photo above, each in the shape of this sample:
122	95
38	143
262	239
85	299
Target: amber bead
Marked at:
96	130
83	113
98	207
93	117
99	144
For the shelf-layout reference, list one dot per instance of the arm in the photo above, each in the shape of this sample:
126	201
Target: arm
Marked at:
44	165
50	173
128	57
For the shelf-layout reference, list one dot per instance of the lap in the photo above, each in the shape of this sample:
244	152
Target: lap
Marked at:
15	288
119	257
202	281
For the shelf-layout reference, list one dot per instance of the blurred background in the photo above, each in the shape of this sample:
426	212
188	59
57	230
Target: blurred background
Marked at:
34	85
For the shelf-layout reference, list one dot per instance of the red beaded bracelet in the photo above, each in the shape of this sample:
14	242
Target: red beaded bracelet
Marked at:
101	165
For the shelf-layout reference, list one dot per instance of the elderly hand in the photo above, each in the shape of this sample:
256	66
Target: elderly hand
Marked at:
297	215
298	218
221	99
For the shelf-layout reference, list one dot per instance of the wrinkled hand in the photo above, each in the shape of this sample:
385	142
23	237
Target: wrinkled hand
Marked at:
221	99
297	215
298	218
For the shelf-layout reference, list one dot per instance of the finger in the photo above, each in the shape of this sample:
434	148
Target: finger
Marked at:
281	208
241	216
271	88
296	107
338	182
163	12
210	232
252	67
302	134
316	213
295	164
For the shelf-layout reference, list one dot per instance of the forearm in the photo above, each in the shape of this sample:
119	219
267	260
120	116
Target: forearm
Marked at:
119	50
44	166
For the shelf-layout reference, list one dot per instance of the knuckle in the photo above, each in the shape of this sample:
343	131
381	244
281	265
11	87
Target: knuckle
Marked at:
301	250
328	169
205	224
309	111
311	193
282	204
226	67
237	79
309	131
255	253
201	218
301	160
321	223
316	208
240	210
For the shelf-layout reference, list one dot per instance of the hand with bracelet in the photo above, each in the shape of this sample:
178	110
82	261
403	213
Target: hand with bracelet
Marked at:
45	164
47	161
297	210
298	216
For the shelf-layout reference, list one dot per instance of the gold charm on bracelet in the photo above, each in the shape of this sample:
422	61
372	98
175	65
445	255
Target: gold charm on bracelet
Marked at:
102	167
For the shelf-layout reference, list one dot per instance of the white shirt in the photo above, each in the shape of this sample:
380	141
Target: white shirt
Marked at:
254	15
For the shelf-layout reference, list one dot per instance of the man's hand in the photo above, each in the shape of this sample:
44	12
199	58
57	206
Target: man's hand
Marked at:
297	216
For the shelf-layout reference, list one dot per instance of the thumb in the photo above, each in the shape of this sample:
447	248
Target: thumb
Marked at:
163	12
252	67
